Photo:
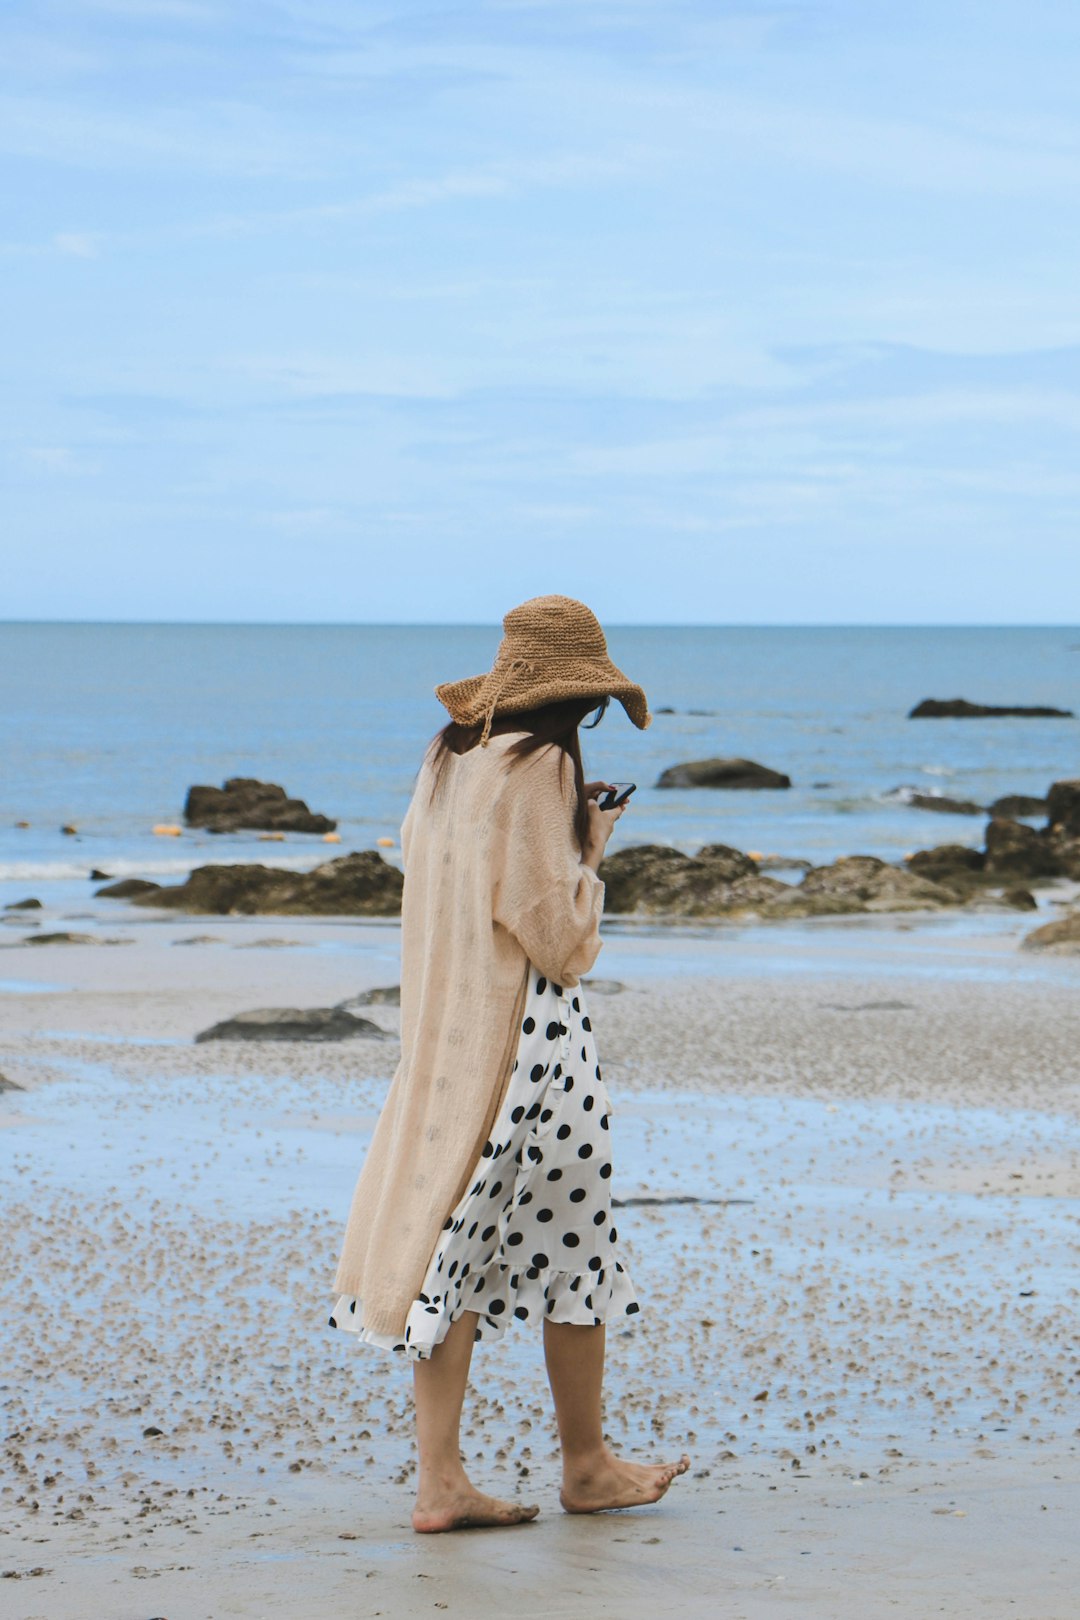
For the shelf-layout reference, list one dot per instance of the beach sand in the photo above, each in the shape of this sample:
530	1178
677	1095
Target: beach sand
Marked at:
859	1149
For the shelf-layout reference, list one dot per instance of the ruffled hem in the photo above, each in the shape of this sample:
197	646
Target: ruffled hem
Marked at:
582	1298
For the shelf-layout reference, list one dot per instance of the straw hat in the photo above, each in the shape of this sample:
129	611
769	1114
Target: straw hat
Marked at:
552	649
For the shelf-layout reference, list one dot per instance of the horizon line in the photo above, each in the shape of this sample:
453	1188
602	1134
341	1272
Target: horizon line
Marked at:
485	624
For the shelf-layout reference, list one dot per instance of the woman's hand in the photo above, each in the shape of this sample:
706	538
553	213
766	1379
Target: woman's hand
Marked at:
601	825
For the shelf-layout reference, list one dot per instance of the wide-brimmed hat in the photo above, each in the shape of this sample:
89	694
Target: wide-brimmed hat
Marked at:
552	649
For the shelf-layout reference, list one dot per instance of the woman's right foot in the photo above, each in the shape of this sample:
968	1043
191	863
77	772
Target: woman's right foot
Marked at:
611	1483
467	1509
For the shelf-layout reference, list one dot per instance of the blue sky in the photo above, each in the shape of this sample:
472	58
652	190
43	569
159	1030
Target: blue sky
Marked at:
703	311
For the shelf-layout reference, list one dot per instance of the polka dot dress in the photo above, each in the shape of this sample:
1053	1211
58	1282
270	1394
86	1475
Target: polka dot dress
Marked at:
534	1237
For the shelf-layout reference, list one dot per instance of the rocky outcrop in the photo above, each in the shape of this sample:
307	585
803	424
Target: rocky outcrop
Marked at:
1062	937
293	1024
940	802
24	905
1063	809
722	773
65	937
653	880
1016	850
127	889
357	885
954	865
961	709
247	803
1012	805
870	884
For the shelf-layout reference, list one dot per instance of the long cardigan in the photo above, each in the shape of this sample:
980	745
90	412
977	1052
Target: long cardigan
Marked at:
493	881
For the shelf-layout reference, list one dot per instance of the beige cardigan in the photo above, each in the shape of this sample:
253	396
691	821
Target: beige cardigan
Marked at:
493	881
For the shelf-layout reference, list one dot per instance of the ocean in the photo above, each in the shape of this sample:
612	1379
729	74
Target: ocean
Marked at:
105	726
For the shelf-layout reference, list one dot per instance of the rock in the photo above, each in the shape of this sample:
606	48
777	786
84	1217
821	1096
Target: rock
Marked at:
246	802
727	863
875	885
722	773
953	864
65	938
1062	936
1063	808
1014	850
69	831
126	888
655	880
665	710
1018	804
23	905
9	1085
947	806
389	995
200	939
357	885
97	876
961	709
1019	899
292	1024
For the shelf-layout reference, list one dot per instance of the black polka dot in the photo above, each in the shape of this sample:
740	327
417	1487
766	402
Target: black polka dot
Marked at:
598	1074
536	1155
528	1026
554	1030
526	1198
604	1122
584	1054
554	1175
532	1273
496	1307
568	1083
578	1195
514	1239
545	1215
536	1073
556	987
489	1148
540	1261
594	1263
452	1268
633	1308
600	1217
518	1114
585	1021
571	1240
533	1111
576	1004
563	1132
495	1190
605	1171
546	1115
585	1150
521	1312
613	1235
541	986
448	1223
487	1234
588	1103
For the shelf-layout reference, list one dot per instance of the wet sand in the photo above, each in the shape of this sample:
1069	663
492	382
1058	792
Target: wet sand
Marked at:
850	1162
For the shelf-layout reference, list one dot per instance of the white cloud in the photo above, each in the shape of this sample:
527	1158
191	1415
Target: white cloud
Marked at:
78	244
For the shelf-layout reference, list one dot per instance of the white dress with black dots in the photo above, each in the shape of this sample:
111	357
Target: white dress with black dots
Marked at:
534	1236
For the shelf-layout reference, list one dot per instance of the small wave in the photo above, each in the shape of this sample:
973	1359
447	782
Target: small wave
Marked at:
937	770
43	871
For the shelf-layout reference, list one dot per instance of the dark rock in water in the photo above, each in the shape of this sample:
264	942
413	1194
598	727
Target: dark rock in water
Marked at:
1062	936
97	876
1019	900
9	1085
65	938
357	885
248	803
388	996
722	773
873	885
1063	808
654	880
961	709
951	864
292	1024
702	713
947	806
126	888
727	863
23	905
1018	804
664	710
1013	850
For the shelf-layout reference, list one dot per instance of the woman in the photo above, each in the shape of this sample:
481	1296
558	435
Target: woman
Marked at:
485	1195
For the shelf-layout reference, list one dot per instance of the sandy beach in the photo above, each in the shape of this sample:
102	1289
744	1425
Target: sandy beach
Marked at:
849	1155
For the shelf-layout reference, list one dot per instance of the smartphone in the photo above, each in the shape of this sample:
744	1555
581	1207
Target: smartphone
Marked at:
617	794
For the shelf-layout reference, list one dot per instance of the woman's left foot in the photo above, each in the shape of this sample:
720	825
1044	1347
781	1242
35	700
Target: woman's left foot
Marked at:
468	1509
612	1483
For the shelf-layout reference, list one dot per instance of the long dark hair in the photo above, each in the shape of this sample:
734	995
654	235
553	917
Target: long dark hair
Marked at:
554	725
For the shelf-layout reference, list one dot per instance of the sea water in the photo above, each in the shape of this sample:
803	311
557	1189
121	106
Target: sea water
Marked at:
104	727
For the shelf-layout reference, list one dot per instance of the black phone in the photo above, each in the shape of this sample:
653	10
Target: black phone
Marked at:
617	794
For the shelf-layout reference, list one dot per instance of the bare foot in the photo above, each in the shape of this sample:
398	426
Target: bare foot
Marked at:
612	1483
467	1509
